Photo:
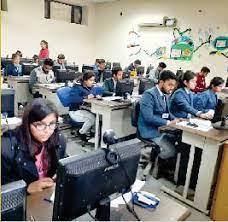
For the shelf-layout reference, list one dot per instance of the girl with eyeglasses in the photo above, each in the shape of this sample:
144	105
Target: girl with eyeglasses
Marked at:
31	151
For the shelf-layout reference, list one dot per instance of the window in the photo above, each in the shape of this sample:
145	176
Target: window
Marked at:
4	5
65	12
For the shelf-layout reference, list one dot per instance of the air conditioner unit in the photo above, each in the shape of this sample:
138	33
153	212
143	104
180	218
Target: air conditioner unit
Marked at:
164	22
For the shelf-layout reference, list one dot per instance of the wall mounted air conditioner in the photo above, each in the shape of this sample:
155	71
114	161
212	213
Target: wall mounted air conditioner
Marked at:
164	22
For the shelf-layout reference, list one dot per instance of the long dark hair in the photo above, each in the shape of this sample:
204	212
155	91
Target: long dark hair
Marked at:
37	110
216	81
187	76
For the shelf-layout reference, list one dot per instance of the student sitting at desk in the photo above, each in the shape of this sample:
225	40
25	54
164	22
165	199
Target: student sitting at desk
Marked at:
110	84
42	74
100	71
133	66
44	52
14	69
208	99
35	60
154	112
61	61
181	103
31	152
154	74
79	92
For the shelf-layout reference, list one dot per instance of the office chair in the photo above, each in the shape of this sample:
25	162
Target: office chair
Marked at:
150	151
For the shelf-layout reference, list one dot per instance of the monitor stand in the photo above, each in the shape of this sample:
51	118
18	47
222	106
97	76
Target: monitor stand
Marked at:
103	210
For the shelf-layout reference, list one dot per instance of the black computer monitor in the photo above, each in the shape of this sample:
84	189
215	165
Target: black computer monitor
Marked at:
108	65
227	82
145	84
219	110
83	181
72	67
116	64
26	60
5	62
27	68
7	102
140	70
63	75
55	68
107	74
124	87
86	68
126	75
13	207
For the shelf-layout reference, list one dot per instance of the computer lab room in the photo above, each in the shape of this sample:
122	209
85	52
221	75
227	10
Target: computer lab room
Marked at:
114	110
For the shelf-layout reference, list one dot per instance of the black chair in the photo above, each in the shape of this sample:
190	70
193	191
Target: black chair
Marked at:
150	151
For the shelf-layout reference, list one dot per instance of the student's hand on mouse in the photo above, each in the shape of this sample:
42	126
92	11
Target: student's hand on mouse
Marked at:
174	121
210	114
39	185
90	96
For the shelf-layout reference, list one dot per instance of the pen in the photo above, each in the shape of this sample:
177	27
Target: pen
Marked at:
48	200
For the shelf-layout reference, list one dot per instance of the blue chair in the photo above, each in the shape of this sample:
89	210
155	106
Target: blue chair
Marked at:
65	99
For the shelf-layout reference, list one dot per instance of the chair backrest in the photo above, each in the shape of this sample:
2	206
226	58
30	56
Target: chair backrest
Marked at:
135	113
64	96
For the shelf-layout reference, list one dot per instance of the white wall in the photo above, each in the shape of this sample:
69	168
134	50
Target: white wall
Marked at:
112	30
24	26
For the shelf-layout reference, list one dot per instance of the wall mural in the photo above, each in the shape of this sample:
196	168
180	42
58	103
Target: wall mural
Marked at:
182	46
220	45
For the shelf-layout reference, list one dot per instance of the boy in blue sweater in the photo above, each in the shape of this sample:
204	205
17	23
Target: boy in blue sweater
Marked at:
79	92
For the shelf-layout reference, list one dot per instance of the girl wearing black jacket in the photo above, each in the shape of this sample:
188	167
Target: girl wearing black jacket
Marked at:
31	152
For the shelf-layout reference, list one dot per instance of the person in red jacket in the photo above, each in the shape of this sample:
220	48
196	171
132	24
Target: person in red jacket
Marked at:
44	52
201	82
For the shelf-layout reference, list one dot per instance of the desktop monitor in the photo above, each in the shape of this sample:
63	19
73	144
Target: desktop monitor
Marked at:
86	68
63	75
27	68
13	207
55	68
116	64
72	67
140	70
124	87
145	84
108	65
220	110
107	74
126	75
7	102
84	181
26	60
227	82
5	62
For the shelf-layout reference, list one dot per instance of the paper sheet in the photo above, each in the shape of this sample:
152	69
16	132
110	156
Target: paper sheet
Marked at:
203	125
137	186
119	200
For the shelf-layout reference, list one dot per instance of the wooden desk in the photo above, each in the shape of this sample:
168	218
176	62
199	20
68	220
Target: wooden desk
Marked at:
21	86
219	210
167	210
209	142
48	91
115	115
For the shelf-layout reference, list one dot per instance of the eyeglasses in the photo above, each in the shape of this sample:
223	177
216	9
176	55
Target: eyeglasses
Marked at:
43	126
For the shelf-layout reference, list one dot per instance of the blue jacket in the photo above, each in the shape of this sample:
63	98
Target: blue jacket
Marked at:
152	106
181	104
78	93
205	100
12	70
17	163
